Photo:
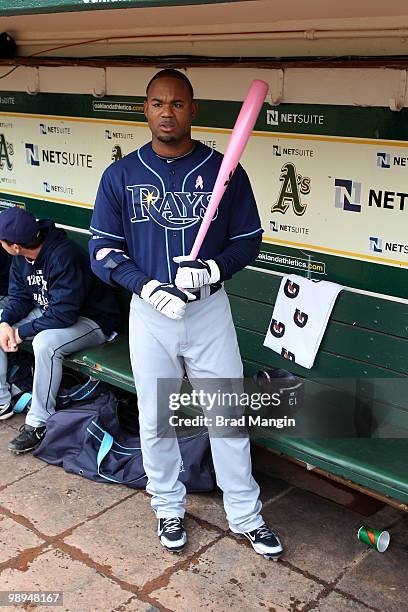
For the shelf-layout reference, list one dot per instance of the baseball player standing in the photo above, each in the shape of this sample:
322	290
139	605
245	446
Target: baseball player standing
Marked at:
147	214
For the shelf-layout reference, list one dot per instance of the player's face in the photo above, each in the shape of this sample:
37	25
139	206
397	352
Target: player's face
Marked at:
9	248
170	110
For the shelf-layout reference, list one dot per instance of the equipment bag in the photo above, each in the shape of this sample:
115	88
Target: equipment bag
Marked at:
89	441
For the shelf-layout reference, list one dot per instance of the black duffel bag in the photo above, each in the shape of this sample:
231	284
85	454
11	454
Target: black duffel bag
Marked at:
89	440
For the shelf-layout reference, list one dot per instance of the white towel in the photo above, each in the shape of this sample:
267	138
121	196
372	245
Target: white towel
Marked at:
300	316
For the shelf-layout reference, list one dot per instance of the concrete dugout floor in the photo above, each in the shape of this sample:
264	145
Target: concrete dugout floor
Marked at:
97	544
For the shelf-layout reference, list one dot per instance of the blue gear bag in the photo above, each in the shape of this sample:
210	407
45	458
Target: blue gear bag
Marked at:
89	441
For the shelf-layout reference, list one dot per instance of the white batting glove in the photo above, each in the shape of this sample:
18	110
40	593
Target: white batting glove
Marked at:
193	274
166	298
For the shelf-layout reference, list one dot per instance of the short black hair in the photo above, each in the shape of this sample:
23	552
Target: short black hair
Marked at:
170	73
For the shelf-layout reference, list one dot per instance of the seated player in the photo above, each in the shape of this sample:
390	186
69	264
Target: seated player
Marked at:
55	300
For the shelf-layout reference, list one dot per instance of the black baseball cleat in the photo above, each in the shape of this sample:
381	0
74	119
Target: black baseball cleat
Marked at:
27	440
6	411
172	534
265	542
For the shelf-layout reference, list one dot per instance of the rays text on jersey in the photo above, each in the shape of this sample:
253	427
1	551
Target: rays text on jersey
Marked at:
172	210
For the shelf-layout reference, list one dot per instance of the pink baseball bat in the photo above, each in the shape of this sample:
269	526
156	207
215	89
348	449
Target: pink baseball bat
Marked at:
242	130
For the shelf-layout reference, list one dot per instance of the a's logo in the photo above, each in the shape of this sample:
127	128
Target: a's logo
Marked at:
383	160
300	318
199	184
173	210
272	117
276	150
293	185
274	226
291	289
287	354
6	151
32	157
277	328
117	153
347	195
376	244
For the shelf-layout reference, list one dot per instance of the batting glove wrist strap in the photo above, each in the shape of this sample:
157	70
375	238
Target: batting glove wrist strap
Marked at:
166	298
197	273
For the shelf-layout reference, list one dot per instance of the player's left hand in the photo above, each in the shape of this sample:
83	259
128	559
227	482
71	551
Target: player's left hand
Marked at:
193	274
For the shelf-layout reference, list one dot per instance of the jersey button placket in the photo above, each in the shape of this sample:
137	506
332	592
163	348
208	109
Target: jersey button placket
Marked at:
173	187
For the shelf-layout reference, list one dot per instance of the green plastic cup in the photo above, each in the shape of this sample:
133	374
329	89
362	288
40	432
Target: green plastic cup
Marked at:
374	537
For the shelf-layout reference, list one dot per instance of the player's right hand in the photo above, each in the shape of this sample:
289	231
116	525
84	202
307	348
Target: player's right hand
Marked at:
7	338
166	298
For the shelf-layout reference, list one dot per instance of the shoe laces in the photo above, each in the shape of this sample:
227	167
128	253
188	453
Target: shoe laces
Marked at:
265	533
25	433
172	524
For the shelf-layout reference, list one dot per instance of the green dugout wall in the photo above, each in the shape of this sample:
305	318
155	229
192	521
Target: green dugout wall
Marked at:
330	180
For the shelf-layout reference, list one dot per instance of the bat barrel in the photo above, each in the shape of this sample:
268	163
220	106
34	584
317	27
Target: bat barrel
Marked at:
242	130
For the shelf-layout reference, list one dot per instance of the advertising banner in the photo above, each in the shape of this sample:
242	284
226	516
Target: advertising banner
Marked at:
330	182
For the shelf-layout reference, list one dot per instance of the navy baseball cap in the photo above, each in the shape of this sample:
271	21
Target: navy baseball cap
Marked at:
18	226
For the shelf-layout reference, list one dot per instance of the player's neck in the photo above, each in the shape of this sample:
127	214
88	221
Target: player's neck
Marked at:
172	149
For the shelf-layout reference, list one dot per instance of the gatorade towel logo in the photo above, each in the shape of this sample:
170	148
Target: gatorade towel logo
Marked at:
291	289
371	536
276	328
287	355
300	318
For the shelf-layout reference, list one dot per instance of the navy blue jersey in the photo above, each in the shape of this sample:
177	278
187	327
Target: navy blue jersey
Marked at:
152	208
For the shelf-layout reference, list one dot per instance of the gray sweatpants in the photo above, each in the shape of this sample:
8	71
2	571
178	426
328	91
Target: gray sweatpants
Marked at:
204	343
50	347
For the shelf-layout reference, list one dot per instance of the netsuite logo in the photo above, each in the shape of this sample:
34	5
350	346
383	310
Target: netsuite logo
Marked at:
118	135
378	245
274	117
347	195
383	160
50	188
35	156
275	226
53	129
386	160
279	151
32	157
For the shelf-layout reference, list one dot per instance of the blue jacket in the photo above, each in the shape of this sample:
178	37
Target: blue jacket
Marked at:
61	283
4	272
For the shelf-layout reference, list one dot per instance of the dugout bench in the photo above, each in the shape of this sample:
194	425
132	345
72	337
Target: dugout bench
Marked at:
361	367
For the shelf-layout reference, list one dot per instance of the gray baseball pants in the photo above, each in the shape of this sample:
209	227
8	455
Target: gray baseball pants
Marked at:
50	347
204	343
